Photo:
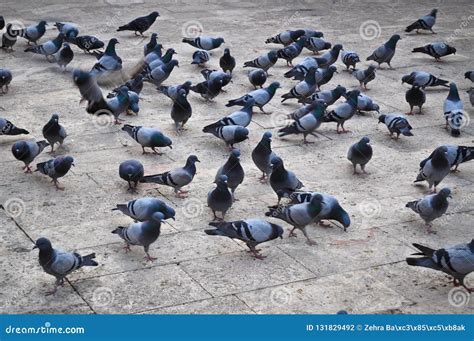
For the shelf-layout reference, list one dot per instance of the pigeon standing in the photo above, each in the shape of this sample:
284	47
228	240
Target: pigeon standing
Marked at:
385	53
360	153
181	111
261	96
283	182
304	88
431	207
69	30
423	80
243	117
233	170
262	155
435	169
8	128
365	103
59	263
257	77
5	80
264	62
31	33
27	151
424	23
148	137
209	89
56	168
415	98
453	111
88	44
285	38
200	57
227	62
349	58
142	209
327	96
150	46
220	199
343	111
292	51
231	134
305	125
64	56
131	171
140	24
330	57
53	132
455	155
317	44
396	124
204	42
300	70
172	91
436	50
109	61
48	48
365	76
159	74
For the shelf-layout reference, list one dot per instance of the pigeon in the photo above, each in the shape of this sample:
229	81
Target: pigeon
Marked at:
305	109
331	209
209	89
313	34
8	39
360	153
53	132
109	61
142	233
365	103
453	111
455	155
210	75
327	96
329	57
64	56
323	76
305	125
344	111
27	151
431	207
283	182
5	80
142	209
436	50
131	171
233	170
250	231
349	58
220	199
299	215
424	23
423	80
69	30
31	33
134	85
176	178
56	168
285	38
2	22
156	53
300	70
140	24
8	128
155	58
148	137
317	44
264	62
172	91
365	76
262	155
397	124
257	77
59	263
243	117
181	111
415	97
200	57
261	96
304	88
160	74
435	169
48	48
292	51
227	62
88	44
469	75
229	134
204	42
385	53
150	46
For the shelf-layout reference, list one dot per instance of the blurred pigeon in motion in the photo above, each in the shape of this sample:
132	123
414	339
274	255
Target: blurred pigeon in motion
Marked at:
304	88
323	76
292	51
8	128
300	70
227	62
283	182
285	38
181	111
436	50
435	169
456	261
229	134
423	80
150	46
88	44
385	53
59	263
243	117
204	42
264	62
317	44
257	77
109	61
220	199
64	56
360	153
251	231
233	170
327	96
200	57
262	155
148	137
455	155
69	30
396	124
365	103
142	209
142	233
8	39
261	96
172	91
453	111
305	125
31	33
330	57
48	48
159	74
131	171
431	207
27	151
344	111
415	98
349	58
5	80
365	76
140	24
209	89
176	178
56	168
426	22
53	132
469	75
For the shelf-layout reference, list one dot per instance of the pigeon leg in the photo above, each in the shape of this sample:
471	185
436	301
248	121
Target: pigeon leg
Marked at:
292	233
309	241
411	110
156	152
455	169
52	149
433	32
263	178
58	187
148	257
430	230
28	169
355	169
363	169
344	131
256	253
118	121
144	151
305	141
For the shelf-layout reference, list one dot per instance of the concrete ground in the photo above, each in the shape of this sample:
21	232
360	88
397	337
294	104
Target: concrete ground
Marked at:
361	270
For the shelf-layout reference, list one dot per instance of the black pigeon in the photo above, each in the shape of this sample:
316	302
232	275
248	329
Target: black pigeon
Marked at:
208	89
140	24
415	98
88	43
257	77
227	62
181	111
5	80
150	46
56	168
53	132
131	171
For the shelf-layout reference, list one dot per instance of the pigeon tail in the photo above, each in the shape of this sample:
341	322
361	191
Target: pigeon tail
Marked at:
88	260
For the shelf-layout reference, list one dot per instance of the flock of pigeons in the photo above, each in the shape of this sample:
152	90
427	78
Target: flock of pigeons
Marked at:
302	207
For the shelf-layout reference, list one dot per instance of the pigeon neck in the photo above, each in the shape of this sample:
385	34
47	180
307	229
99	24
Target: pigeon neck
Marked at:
110	50
439	201
190	167
453	94
265	146
151	228
46	256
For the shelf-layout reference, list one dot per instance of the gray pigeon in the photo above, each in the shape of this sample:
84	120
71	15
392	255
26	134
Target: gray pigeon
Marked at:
365	76
69	30
8	128
435	169
140	24
48	48
148	137
426	22
300	70
172	91
264	62
224	76
317	44
396	124
227	62
385	53
200	57
415	97
304	88
142	233
31	33
27	151
220	199
64	56
292	51
261	96
176	178
142	209
257	77
360	153
456	261
53	132
365	103
150	46
56	168
305	109
305	125
323	76
109	61
209	89
455	155
5	80
436	50
243	117
286	37
330	57
453	111
131	171
229	134
59	263
233	170
431	207
349	58
283	182
262	155
154	59
181	111
204	42
344	111
327	96
251	231
159	74
423	79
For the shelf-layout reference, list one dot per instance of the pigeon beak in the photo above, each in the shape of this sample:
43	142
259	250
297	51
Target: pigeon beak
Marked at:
34	247
173	218
171	147
197	160
450	196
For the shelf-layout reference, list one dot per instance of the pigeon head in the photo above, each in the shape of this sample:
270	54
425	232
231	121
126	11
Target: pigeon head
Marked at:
220	40
158	216
43	244
193	159
332	69
327	46
434	12
55	118
340	90
445	193
372	68
267	135
468	74
274	85
278	230
364	140
222	181
174	63
337	47
302	41
69	160
169	212
395	37
276	161
42	24
154	14
235	154
451	50
128	128
453	91
241	134
298	33
154	35
226	52
382	118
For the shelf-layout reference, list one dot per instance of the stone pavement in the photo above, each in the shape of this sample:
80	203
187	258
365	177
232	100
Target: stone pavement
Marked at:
362	270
